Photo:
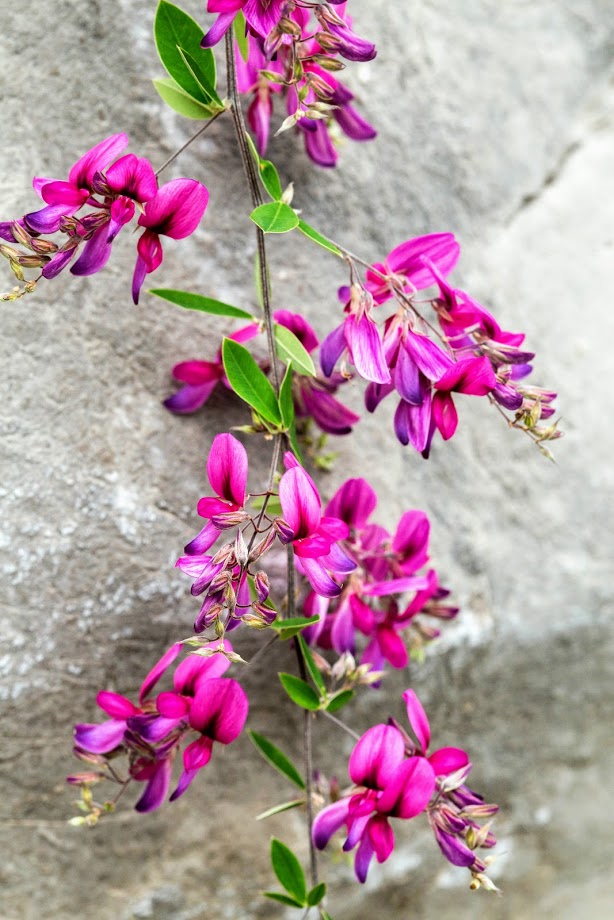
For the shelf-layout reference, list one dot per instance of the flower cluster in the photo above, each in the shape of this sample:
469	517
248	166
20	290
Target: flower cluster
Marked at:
112	188
313	396
293	48
203	705
396	777
386	592
425	365
234	592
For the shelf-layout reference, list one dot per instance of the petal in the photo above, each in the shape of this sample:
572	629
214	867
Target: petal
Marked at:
300	502
411	540
262	16
48	219
99	739
407	378
362	615
195	669
473	376
406	259
376	757
410	789
227	467
445	415
219	709
327	412
354	502
396	586
132	176
418	720
190	398
319	579
412	423
64	193
428	355
157	787
374	394
353	124
448	760
328	822
95	254
331	349
392	646
337	561
97	159
177	208
158	670
381	837
201	543
218	29
364	855
116	706
342	632
197	372
366	348
297	324
172	705
318	144
140	270
455	851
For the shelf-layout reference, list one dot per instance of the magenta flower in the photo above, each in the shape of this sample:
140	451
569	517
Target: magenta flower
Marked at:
358	336
218	713
227	468
175	211
386	785
65	198
393	778
406	265
313	537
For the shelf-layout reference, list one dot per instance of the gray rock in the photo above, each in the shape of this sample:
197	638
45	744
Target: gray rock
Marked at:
496	121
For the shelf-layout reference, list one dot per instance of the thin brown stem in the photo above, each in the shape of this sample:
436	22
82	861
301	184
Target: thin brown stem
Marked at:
340	724
189	141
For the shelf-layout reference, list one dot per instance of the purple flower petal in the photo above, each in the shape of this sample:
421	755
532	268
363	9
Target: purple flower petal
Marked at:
366	348
409	790
158	670
95	254
157	787
328	822
99	739
448	760
354	502
300	502
96	160
219	709
177	209
331	349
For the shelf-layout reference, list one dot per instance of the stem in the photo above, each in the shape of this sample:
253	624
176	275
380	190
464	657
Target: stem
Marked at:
190	140
254	188
256	196
346	728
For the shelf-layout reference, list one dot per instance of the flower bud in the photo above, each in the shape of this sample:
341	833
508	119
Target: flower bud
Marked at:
46	247
263	585
286	534
328	63
229	519
263	546
267	614
289	27
241	552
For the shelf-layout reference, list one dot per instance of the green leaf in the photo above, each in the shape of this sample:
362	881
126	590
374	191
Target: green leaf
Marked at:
282	898
208	93
286	403
319	238
175	30
275	217
278	809
267	171
316	894
290	348
288	870
314	671
324	915
180	101
339	700
197	302
290	627
300	692
240	31
248	381
277	759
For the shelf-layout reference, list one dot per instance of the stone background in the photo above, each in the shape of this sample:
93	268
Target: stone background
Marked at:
496	120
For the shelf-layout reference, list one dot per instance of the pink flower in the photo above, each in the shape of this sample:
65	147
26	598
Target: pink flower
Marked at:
313	537
175	211
393	778
227	468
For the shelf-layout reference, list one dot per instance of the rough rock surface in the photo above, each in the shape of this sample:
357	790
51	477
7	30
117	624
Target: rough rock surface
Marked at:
497	121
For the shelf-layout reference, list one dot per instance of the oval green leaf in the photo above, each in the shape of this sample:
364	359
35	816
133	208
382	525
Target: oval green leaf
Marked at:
339	700
174	29
288	870
275	217
290	627
277	759
203	304
249	382
290	348
300	692
180	102
267	172
311	666
316	894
